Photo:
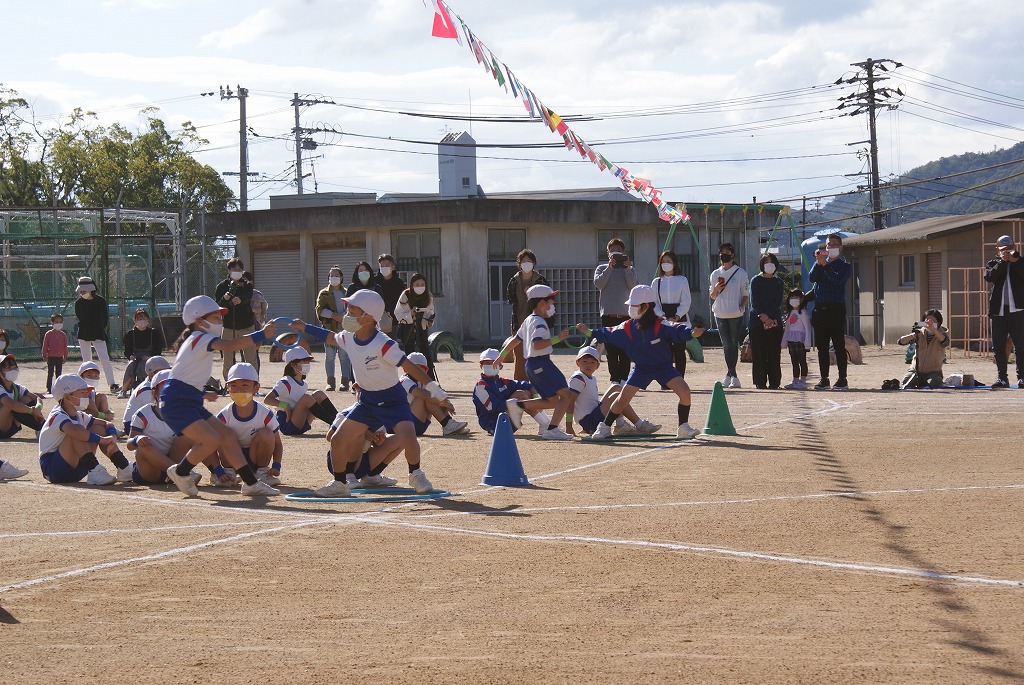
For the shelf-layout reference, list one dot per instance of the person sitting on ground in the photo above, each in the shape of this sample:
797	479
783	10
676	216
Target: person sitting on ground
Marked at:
931	341
141	395
255	425
99	403
592	408
292	400
155	445
424	405
379	450
494	395
18	406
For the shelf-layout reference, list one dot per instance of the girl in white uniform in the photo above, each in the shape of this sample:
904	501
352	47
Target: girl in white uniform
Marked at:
424	405
142	394
255	425
292	399
590	409
155	444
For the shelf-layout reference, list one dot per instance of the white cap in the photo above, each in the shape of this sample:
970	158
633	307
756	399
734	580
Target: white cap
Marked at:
640	294
589	351
540	291
85	285
198	307
67	383
294	354
489	355
243	371
1004	241
161	376
157	363
88	366
418	358
369	301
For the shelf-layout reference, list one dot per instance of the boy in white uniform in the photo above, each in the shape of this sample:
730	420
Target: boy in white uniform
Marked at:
142	394
424	405
155	444
590	409
254	423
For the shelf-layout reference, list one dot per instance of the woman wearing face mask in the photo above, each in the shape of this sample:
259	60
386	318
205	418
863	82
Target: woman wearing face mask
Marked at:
330	309
362	279
140	343
730	292
767	292
415	315
91	312
18	406
292	399
672	301
515	294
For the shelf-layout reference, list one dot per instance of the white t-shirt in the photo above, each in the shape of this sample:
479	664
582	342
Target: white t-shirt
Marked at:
15	393
533	330
727	304
373	362
194	363
672	290
141	396
51	435
410	384
290	390
146	421
587	398
263	417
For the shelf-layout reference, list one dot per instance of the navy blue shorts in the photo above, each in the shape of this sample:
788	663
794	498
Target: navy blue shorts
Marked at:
386	408
545	377
641	378
181	405
10	432
127	427
590	421
289	428
56	470
139	480
421	426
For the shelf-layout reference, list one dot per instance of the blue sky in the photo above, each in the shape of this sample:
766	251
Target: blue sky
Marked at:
579	57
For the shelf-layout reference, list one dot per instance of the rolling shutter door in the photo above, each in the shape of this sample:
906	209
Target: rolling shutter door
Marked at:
933	265
276	275
345	257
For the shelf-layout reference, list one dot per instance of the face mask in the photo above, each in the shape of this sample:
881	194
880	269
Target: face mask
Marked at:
91	382
550	312
634	311
833	252
419	289
235	275
3	345
142	324
87	296
82	403
488	370
304	369
527	267
56	327
350	323
216	329
385	271
11	375
364	276
794	303
334	281
667	267
726	258
241	398
769	268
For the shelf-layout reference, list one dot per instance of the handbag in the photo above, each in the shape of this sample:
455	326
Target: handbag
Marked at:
386	323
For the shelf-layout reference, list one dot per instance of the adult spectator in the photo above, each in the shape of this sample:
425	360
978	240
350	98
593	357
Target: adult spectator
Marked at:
515	294
235	294
91	312
260	307
930	341
390	287
330	309
415	316
765	328
362	279
615	279
672	301
1006	308
730	292
140	343
830	274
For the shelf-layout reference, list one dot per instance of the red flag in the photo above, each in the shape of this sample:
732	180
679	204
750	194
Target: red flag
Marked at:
443	26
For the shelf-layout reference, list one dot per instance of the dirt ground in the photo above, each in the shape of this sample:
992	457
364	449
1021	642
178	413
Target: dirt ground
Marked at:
845	537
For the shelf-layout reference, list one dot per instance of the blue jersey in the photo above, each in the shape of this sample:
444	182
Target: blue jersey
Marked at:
648	348
490	395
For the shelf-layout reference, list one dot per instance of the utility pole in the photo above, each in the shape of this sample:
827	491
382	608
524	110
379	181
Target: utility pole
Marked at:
300	142
869	101
243	143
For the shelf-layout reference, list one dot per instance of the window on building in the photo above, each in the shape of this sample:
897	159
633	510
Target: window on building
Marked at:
505	243
419	251
465	181
686	253
907	276
606	234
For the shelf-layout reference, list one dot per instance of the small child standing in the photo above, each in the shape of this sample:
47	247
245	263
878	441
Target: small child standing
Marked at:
55	349
797	337
494	395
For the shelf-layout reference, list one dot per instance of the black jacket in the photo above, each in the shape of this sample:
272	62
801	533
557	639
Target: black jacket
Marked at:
390	289
239	315
147	343
92	318
996	272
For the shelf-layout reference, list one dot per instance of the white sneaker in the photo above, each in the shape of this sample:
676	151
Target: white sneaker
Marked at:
377	481
454	427
686	431
186	484
623	427
727	381
230	479
196	476
645	427
334	488
259	489
602	432
543	421
515	413
99	476
9	471
263	474
418	481
351	481
124	475
555	433
735	382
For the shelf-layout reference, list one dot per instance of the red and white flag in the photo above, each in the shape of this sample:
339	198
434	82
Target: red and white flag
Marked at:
443	25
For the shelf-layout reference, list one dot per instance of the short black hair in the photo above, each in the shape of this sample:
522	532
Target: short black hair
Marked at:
727	246
934	312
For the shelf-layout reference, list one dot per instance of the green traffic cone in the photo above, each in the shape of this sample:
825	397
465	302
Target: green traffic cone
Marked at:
719	418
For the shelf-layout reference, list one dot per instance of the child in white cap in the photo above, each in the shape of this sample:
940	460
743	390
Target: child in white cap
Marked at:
292	399
255	425
142	393
424	405
494	395
590	409
99	404
155	444
18	405
647	340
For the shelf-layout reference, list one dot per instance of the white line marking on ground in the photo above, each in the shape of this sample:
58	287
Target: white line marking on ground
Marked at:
137	530
828	410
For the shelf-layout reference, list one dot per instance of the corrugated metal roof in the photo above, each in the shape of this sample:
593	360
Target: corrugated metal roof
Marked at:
929	229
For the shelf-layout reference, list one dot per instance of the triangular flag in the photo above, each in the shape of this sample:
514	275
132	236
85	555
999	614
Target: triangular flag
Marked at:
497	71
579	144
451	14
443	26
511	81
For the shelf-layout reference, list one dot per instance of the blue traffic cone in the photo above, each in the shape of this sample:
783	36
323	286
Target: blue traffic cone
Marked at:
504	467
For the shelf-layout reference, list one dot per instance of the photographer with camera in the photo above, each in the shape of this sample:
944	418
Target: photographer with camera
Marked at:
415	314
235	294
615	280
1006	308
931	341
830	274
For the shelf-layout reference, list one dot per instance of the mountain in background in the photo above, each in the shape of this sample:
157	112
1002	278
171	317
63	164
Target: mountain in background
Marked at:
1006	194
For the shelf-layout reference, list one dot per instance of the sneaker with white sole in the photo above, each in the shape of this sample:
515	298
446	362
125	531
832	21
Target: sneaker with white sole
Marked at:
727	381
735	382
228	480
377	481
645	427
100	476
184	483
351	481
454	427
418	481
623	427
263	474
334	488
259	489
515	413
124	475
196	477
9	471
795	385
602	432
555	433
543	421
686	431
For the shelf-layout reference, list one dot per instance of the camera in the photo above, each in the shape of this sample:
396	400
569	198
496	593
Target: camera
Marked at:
918	325
619	259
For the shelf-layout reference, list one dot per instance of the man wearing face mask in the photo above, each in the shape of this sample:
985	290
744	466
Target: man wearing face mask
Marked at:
830	274
390	287
330	309
615	280
515	294
730	292
235	294
1006	308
